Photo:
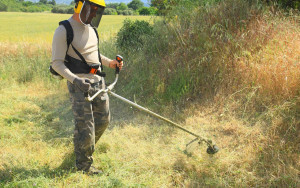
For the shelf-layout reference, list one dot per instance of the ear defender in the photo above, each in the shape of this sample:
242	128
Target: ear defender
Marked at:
78	7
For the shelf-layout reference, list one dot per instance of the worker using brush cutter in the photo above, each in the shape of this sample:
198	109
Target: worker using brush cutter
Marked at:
76	57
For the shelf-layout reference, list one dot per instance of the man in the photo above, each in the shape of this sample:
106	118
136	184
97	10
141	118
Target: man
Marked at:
78	62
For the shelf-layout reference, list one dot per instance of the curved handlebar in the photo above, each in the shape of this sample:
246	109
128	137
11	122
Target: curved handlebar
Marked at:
111	86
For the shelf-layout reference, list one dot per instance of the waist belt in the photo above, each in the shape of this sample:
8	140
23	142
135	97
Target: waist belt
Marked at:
78	67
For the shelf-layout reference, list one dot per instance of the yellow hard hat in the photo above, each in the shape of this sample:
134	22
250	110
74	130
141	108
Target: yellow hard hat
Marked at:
79	4
98	2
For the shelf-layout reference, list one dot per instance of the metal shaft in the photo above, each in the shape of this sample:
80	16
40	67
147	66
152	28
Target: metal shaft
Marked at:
111	86
154	114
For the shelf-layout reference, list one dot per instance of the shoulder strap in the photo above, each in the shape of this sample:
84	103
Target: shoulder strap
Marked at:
69	29
99	57
70	36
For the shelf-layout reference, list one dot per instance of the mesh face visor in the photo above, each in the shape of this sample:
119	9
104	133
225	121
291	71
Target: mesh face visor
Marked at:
91	14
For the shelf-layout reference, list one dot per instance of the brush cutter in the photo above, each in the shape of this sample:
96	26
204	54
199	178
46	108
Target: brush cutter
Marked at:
212	148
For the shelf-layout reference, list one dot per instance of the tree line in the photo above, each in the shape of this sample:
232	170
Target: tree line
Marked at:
26	6
135	7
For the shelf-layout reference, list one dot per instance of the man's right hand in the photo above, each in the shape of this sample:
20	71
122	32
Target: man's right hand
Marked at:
83	84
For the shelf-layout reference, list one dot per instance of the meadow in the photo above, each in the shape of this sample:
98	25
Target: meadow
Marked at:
39	28
36	122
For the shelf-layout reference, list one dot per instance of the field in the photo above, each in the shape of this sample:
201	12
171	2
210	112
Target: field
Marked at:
36	124
32	27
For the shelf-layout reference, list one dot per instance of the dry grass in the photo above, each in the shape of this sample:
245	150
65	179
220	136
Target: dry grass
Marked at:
12	49
274	65
36	143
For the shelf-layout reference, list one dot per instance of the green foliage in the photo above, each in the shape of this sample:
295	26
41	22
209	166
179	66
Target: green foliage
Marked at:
63	9
52	2
122	6
3	7
132	35
136	4
148	11
112	5
286	3
43	1
163	6
27	3
110	11
24	6
118	9
128	12
189	41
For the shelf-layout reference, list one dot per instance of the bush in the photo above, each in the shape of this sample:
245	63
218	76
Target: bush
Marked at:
110	11
27	3
34	9
70	10
147	11
122	6
125	12
128	12
63	9
144	11
112	5
132	34
288	3
3	7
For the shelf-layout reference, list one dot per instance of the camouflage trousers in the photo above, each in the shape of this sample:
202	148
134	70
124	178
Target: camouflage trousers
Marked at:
91	120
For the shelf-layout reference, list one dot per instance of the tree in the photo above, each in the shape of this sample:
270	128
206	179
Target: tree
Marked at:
136	4
43	1
112	5
144	11
110	11
3	7
163	6
148	11
52	2
122	6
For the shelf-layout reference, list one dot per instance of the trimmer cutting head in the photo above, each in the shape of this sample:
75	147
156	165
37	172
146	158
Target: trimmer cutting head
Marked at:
212	149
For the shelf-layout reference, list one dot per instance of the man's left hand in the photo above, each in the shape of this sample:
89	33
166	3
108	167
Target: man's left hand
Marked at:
114	63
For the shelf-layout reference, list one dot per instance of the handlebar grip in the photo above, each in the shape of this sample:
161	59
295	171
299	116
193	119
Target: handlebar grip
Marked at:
119	59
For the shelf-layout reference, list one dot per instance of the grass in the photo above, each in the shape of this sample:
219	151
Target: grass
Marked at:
36	123
40	27
36	142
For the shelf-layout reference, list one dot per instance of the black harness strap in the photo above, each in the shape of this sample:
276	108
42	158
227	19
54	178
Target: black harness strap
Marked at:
70	36
69	29
99	57
80	56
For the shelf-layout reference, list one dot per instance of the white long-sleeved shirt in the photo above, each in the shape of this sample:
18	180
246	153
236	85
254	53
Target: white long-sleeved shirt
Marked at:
85	42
